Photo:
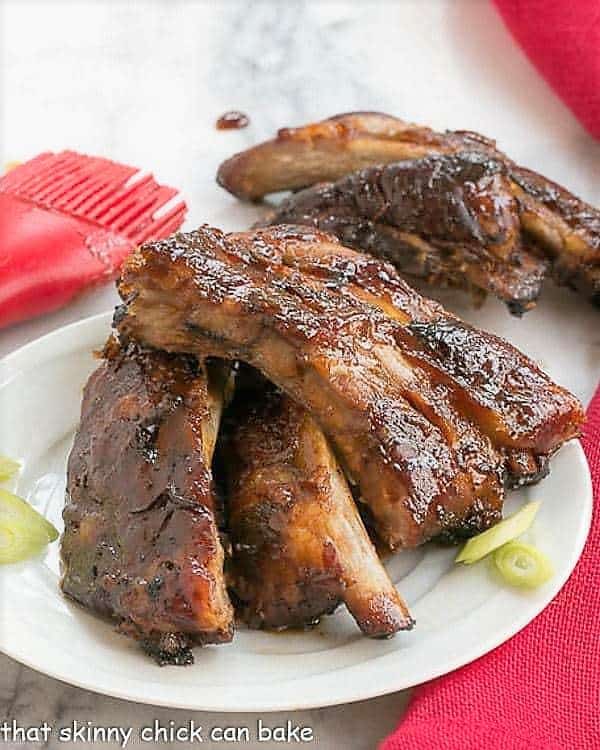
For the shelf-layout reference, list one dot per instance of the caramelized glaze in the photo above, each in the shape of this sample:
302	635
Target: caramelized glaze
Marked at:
141	543
299	545
560	232
425	412
450	220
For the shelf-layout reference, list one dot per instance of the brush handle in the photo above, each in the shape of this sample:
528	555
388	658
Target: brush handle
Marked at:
46	258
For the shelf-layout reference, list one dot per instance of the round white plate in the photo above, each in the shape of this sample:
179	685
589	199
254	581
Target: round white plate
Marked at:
461	612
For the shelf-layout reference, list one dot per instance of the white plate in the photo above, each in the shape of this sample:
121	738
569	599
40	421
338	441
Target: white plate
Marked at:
461	613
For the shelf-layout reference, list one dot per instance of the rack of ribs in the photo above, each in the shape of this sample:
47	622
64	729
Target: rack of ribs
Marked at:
141	542
517	223
299	545
431	418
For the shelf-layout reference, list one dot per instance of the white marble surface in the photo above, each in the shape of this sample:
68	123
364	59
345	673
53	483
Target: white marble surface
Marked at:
145	81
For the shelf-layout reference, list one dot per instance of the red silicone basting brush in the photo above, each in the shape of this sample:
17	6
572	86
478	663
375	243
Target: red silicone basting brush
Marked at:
68	221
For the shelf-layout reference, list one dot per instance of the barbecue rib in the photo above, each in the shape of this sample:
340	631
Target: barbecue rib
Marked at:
299	544
428	415
327	150
448	219
141	544
565	229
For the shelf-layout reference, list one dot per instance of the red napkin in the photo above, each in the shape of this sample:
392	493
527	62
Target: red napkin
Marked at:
541	689
562	39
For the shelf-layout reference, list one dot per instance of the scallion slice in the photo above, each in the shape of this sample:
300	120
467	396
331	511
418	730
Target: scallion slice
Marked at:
23	531
523	565
505	531
18	543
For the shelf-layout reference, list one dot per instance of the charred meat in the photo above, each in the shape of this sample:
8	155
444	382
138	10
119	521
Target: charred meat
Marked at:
299	545
447	219
430	417
555	225
141	542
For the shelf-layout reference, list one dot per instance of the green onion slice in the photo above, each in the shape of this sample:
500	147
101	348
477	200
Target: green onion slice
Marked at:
8	467
505	531
523	565
17	543
23	531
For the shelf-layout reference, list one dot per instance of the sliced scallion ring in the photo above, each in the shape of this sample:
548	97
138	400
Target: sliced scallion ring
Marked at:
523	565
8	468
18	543
23	531
505	531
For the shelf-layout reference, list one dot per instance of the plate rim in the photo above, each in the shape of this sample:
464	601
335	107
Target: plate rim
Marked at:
347	691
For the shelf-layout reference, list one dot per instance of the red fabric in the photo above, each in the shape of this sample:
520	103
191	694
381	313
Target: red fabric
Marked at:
562	39
541	689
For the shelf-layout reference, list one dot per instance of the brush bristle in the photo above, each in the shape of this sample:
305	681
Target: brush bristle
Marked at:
112	196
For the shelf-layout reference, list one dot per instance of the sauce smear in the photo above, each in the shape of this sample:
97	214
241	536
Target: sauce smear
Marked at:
233	121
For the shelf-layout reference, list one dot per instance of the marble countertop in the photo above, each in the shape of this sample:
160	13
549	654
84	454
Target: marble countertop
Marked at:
144	82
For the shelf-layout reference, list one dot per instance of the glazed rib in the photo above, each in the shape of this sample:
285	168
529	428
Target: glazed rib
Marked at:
327	150
428	415
451	220
299	544
564	229
567	228
141	542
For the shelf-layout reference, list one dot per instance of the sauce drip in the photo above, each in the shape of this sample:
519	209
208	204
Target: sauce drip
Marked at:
232	121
